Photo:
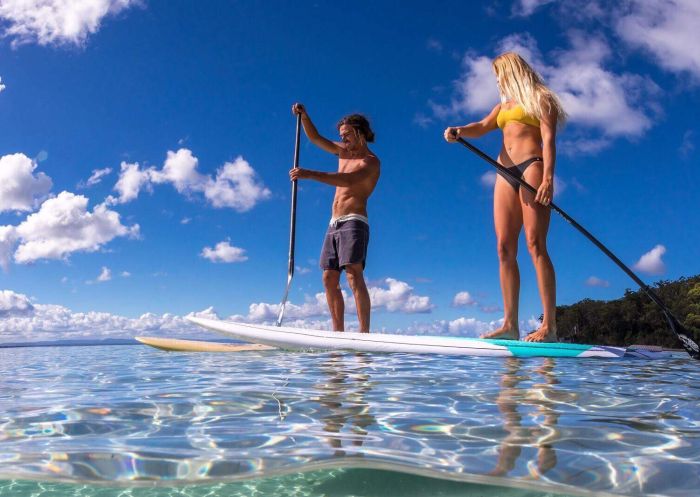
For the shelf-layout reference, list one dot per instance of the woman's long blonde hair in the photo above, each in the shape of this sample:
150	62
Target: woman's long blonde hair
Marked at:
519	82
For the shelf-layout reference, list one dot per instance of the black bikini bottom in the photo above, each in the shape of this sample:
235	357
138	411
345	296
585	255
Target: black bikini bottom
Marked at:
518	171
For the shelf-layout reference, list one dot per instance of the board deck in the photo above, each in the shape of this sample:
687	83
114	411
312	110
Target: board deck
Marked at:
305	339
178	345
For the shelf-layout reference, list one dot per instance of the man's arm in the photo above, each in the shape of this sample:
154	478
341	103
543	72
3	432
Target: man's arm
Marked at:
364	170
312	133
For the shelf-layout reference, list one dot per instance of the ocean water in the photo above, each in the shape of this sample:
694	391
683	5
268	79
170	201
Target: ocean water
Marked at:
121	421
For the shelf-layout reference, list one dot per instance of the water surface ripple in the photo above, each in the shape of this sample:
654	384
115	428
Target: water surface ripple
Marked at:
124	415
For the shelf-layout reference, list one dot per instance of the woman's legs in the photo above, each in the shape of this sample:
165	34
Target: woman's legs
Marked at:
536	221
508	220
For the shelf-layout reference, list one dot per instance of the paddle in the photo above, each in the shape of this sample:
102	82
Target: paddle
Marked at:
292	225
683	335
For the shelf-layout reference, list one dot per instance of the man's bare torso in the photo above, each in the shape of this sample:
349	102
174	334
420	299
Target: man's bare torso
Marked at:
353	199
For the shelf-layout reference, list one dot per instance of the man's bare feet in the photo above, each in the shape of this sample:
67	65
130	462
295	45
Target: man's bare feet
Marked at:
543	334
503	333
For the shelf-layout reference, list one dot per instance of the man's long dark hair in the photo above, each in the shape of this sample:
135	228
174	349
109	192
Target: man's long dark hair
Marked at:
360	124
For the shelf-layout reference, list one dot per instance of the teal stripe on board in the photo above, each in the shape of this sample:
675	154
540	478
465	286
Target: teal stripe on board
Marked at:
549	349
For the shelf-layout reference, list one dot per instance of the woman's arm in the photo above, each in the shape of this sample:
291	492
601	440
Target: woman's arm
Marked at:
313	134
548	129
474	130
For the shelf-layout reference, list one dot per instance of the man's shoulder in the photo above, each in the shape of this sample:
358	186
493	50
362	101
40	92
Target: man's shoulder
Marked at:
372	159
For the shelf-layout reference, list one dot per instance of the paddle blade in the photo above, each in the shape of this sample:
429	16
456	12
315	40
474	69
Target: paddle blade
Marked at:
683	335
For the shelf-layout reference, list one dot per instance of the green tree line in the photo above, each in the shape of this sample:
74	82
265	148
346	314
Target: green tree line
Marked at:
634	318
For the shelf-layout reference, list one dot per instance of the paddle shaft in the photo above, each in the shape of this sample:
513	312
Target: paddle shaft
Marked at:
292	225
690	346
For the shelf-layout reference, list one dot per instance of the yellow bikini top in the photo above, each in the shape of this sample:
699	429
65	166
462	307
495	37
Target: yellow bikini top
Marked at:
515	113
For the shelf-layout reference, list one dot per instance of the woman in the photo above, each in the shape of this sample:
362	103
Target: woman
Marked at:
528	115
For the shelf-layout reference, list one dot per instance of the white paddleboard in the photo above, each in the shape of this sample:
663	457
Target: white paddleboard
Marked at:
303	339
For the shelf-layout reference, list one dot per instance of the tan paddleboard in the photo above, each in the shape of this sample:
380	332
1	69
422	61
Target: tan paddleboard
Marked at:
175	345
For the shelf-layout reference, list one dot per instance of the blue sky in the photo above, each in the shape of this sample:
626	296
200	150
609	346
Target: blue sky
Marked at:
144	151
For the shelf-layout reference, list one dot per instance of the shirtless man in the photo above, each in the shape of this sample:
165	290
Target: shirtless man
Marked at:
347	237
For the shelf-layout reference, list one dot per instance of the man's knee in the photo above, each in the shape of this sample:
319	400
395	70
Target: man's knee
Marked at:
331	279
354	273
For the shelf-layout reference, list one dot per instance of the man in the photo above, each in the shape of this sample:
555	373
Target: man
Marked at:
345	244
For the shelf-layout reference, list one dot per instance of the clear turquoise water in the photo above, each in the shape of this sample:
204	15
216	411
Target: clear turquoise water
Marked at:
134	421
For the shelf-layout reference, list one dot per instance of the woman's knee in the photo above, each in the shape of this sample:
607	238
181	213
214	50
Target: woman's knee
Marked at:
507	250
536	245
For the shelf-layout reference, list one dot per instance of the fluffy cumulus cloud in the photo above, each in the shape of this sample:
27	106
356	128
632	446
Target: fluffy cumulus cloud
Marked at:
20	188
651	262
667	29
461	326
60	22
61	226
224	252
235	185
55	322
2	86
131	180
392	296
398	296
463	299
14	304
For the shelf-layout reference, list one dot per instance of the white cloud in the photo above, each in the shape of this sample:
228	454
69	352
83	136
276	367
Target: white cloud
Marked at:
105	274
56	21
235	185
488	179
125	274
527	7
302	270
395	296
598	98
2	87
55	322
180	169
595	281
19	187
14	304
63	225
668	29
651	262
97	175
224	252
398	297
131	180
475	91
462	299
461	326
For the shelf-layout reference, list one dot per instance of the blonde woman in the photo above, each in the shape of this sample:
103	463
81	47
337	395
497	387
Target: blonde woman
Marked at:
528	115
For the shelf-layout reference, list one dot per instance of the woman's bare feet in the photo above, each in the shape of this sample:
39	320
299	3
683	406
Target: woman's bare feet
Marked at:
503	333
543	334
